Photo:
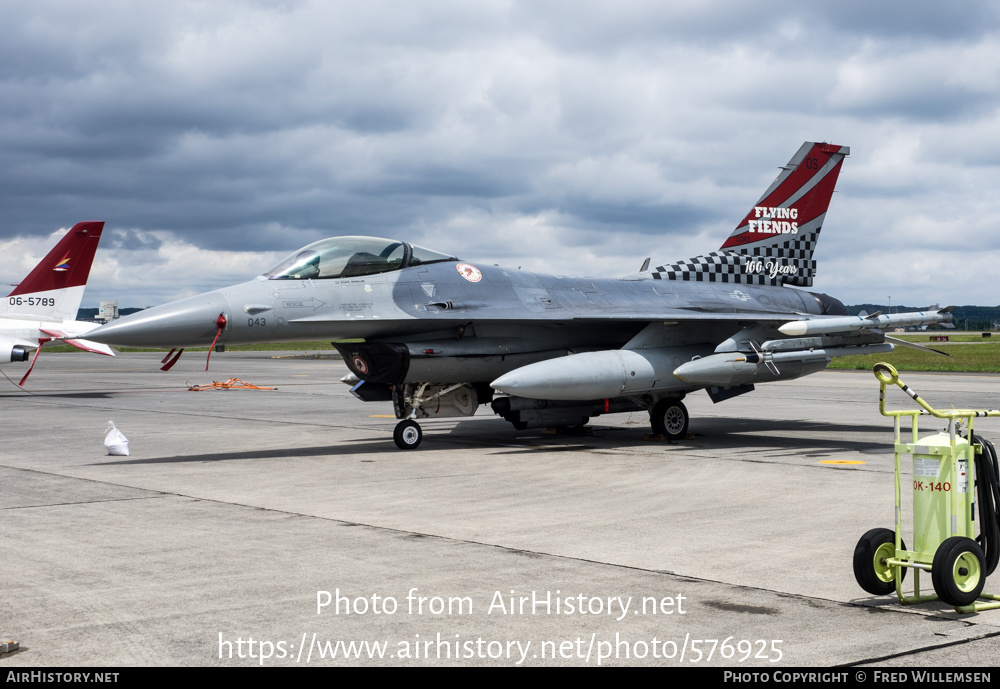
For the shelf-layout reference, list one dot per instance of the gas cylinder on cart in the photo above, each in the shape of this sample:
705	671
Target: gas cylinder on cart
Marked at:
943	482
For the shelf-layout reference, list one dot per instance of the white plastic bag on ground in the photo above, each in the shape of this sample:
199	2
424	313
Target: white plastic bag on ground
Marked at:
115	441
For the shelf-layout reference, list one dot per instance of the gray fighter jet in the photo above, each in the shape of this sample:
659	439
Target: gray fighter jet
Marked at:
439	337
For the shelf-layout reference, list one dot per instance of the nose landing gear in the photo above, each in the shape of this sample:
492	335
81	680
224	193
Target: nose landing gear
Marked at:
407	434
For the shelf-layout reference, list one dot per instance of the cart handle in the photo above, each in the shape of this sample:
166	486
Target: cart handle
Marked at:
886	375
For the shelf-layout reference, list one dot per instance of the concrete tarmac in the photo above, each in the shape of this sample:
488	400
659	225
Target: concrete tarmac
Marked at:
283	527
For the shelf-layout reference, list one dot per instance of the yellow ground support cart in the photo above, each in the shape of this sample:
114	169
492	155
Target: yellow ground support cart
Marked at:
952	471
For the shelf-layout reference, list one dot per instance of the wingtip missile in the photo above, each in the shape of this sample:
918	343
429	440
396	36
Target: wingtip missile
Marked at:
841	324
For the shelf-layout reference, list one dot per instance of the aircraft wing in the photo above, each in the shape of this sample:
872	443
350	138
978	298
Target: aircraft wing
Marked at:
689	315
795	325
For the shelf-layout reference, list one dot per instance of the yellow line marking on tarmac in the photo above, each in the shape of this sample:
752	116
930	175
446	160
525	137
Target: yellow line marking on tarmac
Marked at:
841	461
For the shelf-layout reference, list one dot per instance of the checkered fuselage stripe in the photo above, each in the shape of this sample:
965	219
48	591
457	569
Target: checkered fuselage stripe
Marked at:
731	266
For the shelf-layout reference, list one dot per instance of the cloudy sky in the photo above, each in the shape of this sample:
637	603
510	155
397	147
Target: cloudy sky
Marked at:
574	137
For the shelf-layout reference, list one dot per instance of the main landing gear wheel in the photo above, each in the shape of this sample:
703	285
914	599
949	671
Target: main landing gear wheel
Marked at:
958	571
870	568
407	434
669	418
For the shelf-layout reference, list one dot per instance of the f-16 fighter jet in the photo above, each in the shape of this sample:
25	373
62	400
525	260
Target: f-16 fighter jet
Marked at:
438	336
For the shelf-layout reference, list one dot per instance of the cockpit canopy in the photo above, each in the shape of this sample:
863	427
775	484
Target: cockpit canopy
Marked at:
345	257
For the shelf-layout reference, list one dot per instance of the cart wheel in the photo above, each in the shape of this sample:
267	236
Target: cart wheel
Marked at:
870	568
958	571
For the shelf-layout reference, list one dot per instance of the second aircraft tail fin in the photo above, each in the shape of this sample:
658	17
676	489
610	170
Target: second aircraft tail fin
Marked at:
54	288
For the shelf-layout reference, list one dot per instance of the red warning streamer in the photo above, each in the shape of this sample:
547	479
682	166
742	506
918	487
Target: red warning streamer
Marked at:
220	324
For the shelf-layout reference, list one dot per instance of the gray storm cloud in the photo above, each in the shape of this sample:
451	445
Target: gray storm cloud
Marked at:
571	137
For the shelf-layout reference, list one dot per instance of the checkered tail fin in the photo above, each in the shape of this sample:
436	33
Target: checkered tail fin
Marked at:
774	243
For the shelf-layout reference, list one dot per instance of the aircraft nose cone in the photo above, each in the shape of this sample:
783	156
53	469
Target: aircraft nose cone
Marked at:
190	322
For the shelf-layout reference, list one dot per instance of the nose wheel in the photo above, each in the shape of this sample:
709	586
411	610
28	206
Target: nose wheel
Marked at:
407	434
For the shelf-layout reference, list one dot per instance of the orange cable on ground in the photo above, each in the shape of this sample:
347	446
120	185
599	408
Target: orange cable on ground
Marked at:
231	384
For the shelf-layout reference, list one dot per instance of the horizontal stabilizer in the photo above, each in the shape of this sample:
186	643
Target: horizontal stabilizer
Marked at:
92	347
85	345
